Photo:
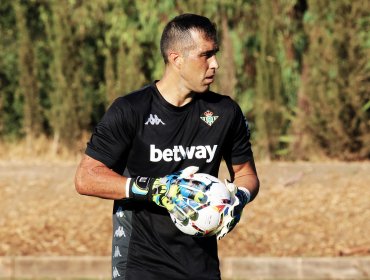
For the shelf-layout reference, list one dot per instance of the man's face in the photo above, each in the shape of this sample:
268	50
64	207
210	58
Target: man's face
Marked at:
199	63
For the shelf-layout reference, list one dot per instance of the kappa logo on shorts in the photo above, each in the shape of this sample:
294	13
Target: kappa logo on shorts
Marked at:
115	272
208	117
117	252
120	212
119	232
154	120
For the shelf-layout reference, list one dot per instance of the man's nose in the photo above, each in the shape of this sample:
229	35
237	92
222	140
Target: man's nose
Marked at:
213	62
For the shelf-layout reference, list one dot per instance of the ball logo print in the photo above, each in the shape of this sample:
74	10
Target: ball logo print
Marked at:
210	211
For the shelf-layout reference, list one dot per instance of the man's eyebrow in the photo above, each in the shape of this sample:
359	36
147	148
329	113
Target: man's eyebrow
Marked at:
210	52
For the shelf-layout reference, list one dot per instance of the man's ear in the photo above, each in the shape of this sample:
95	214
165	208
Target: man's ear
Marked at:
175	59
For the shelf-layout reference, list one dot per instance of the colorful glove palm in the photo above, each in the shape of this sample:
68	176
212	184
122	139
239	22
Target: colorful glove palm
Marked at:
170	192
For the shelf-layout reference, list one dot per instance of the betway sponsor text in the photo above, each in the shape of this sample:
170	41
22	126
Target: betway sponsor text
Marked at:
179	153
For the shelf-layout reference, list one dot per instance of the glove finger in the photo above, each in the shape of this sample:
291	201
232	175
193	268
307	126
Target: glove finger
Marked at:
179	215
228	226
173	191
179	210
176	197
166	202
193	189
188	172
231	187
196	195
221	235
192	184
187	189
195	184
222	232
185	208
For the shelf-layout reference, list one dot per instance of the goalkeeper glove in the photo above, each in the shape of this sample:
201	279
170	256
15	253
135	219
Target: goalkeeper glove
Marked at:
170	192
241	197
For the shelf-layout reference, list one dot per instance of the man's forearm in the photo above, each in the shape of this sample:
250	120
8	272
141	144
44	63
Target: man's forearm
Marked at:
250	182
95	179
246	176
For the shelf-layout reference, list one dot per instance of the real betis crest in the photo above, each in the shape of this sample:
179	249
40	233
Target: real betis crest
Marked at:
208	117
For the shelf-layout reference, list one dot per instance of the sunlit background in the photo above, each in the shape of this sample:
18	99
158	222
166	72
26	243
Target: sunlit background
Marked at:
300	70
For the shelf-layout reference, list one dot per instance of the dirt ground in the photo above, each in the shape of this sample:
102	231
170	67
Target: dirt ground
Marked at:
303	209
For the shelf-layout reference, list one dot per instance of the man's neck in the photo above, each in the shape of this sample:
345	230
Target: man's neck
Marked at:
174	92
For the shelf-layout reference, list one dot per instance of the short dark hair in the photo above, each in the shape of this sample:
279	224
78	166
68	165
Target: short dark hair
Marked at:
177	32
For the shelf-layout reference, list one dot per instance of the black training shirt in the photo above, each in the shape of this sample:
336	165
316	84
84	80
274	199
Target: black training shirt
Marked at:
141	134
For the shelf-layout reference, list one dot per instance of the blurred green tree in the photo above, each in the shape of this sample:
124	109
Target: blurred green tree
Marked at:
334	115
27	83
298	68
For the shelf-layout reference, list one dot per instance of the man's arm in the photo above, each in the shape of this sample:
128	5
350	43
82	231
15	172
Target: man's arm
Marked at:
245	175
96	179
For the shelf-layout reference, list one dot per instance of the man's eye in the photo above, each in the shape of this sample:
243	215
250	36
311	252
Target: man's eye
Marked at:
208	55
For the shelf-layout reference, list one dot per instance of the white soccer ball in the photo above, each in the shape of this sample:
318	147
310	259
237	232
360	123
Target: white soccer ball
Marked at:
211	212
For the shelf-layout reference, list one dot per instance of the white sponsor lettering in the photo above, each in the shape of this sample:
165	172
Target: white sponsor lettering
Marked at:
179	152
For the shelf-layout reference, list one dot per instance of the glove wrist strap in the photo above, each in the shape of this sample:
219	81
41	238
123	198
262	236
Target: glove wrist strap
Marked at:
247	194
139	188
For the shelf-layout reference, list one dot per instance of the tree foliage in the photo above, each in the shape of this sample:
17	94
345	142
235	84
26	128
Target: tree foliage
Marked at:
334	117
298	68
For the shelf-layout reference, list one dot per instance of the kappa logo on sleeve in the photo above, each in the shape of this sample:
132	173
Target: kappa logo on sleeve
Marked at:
180	152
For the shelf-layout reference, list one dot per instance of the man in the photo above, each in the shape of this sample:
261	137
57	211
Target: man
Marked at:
166	131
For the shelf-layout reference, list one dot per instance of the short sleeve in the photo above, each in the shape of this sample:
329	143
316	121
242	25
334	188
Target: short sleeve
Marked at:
113	135
241	149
